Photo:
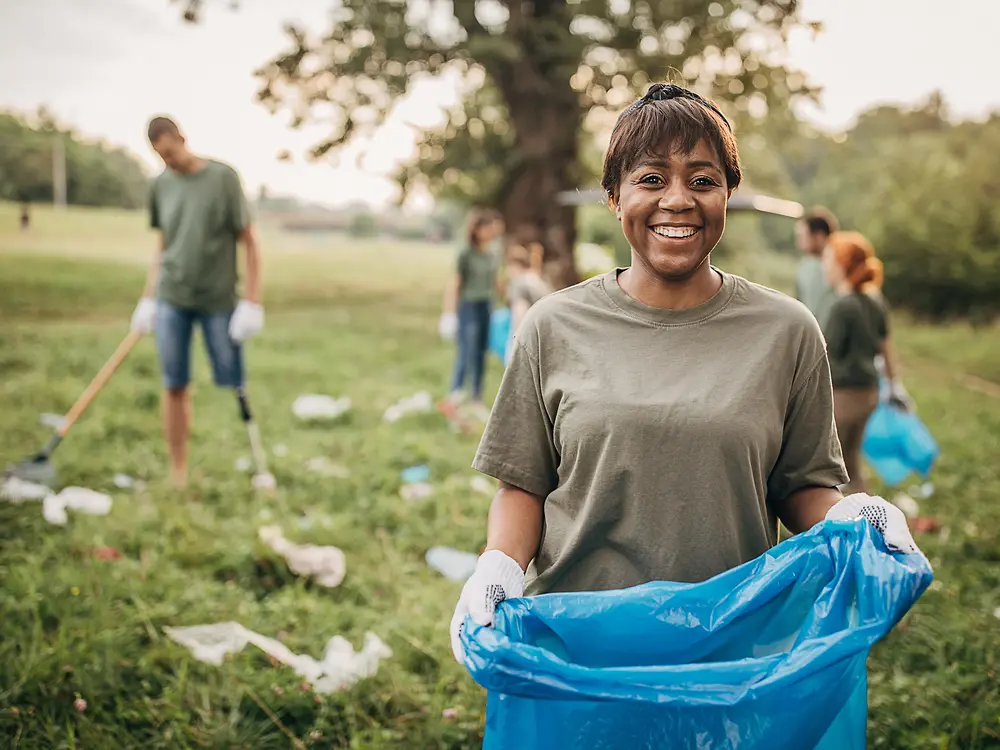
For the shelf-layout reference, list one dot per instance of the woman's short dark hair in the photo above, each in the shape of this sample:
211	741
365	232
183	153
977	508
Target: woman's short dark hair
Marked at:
672	118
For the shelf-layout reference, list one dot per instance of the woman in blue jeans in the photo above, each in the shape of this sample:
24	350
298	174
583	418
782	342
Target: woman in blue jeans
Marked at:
467	306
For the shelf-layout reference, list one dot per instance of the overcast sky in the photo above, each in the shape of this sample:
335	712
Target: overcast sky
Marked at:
106	69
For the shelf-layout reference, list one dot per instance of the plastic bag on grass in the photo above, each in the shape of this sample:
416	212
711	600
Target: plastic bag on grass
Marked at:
770	655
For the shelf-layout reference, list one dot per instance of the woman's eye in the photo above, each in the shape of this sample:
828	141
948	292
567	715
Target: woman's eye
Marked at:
651	179
704	182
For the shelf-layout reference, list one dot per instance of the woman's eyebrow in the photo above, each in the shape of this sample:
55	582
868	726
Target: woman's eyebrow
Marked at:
663	163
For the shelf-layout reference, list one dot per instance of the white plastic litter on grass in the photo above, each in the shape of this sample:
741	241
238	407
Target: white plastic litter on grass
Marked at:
123	481
452	563
313	407
17	490
415	492
909	506
55	421
340	667
323	465
419	403
327	565
79	499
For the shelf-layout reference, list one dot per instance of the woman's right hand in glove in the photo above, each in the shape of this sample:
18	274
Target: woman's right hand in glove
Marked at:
497	577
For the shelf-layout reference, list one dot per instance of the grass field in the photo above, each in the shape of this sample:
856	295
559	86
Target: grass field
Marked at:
356	319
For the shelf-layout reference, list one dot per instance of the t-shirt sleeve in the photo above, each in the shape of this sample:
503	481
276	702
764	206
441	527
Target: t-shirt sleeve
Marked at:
239	209
810	449
517	446
154	212
462	262
882	321
838	326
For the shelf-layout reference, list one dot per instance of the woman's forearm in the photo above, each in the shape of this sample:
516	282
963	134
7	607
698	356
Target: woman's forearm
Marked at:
452	291
807	507
889	360
515	524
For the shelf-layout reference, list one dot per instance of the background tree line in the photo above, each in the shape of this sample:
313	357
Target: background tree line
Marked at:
96	174
543	80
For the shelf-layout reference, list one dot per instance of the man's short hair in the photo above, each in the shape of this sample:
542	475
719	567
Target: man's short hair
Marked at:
821	221
160	126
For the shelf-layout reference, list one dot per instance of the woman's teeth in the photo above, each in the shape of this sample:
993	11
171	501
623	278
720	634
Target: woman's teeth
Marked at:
677	233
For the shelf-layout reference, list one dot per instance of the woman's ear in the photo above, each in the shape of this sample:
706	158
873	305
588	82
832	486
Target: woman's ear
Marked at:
613	205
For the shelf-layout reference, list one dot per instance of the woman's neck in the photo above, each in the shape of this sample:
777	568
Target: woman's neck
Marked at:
651	289
844	287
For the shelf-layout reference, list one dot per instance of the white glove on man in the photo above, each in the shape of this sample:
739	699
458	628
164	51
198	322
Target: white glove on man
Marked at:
247	321
884	516
448	326
144	316
497	577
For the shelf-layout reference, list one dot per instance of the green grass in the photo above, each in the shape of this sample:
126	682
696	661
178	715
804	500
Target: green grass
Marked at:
354	319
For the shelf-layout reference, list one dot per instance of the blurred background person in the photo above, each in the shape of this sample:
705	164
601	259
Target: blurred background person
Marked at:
856	330
812	232
525	286
468	303
198	207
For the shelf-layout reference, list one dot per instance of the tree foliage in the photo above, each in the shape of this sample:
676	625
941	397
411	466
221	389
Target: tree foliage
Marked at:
533	73
923	188
96	174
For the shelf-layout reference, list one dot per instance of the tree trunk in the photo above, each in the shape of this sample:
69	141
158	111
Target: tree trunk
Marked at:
532	211
546	116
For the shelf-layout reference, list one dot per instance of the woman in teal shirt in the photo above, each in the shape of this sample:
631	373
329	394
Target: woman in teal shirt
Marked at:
468	304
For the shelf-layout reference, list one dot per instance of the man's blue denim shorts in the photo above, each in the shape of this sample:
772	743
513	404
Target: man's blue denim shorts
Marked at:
174	326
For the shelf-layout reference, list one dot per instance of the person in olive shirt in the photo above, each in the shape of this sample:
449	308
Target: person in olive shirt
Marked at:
525	287
856	330
468	305
655	422
812	289
199	209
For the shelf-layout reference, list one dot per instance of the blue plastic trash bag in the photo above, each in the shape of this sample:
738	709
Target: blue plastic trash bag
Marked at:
500	332
767	656
896	443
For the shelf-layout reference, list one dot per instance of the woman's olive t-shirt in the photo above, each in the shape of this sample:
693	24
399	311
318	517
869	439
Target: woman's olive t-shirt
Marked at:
660	440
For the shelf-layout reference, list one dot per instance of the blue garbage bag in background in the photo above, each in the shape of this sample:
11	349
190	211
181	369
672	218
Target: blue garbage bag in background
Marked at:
767	656
500	332
896	443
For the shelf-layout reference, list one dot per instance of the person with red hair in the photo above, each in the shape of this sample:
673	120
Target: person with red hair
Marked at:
856	331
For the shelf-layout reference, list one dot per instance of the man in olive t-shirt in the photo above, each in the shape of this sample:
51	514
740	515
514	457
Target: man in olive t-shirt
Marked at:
812	232
661	441
198	207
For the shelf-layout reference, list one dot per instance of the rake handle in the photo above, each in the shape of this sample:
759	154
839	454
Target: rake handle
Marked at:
99	381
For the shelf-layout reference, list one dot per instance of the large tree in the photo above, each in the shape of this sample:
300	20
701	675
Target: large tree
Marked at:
535	73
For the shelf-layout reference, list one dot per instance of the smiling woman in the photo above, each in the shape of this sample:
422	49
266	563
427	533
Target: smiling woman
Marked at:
655	422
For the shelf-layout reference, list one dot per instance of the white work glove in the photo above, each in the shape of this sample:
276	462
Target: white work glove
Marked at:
884	516
497	577
448	326
247	321
898	397
144	316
